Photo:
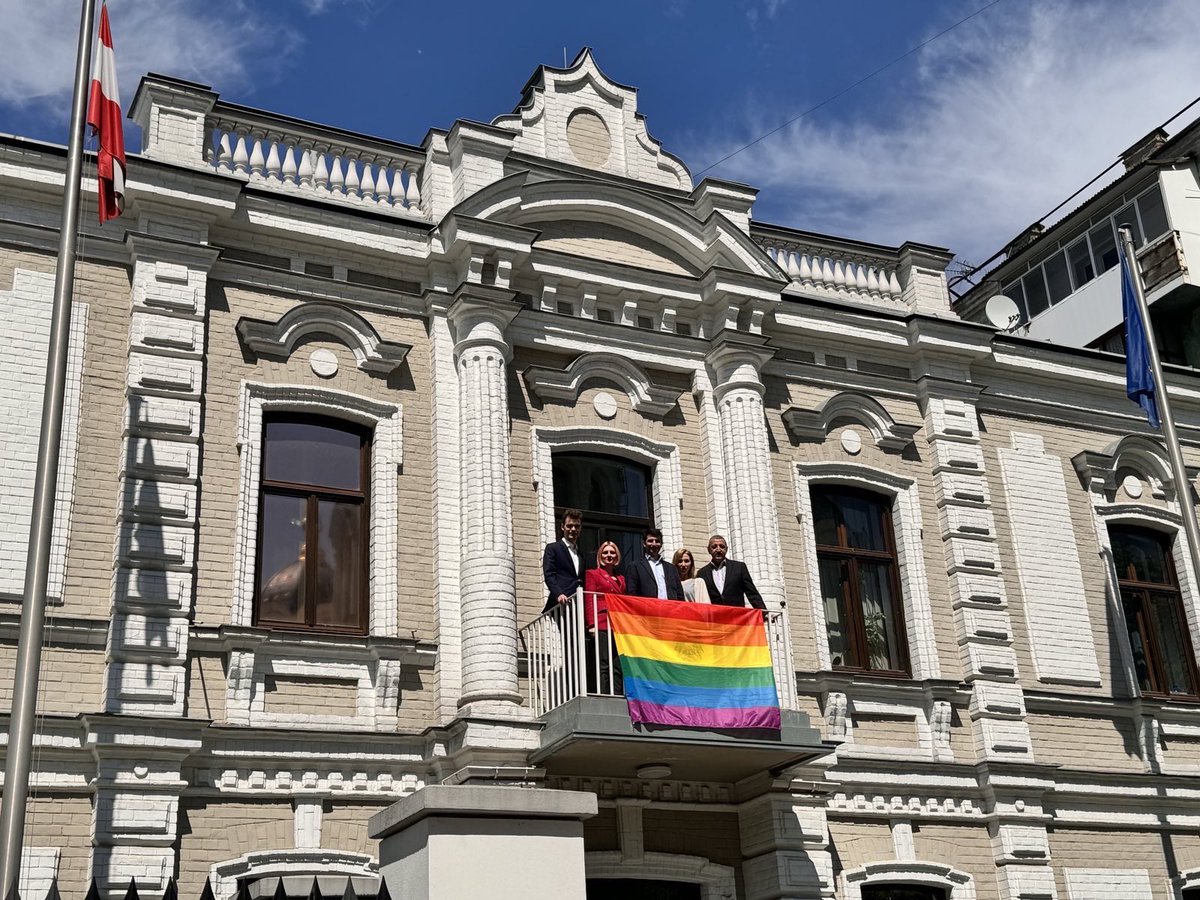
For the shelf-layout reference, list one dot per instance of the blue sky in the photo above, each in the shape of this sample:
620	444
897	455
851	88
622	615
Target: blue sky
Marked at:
962	144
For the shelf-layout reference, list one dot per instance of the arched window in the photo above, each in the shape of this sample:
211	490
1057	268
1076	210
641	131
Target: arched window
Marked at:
313	525
1154	616
902	892
856	555
614	495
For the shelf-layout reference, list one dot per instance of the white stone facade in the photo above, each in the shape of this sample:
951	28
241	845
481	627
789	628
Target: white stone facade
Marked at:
552	283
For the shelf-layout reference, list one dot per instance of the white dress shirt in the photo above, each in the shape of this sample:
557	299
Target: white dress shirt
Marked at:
656	566
572	549
718	576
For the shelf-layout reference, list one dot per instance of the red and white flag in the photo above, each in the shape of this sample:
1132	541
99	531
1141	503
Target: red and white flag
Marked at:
104	117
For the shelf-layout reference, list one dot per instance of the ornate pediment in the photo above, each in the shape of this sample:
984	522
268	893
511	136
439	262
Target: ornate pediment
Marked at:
814	424
327	320
578	115
565	384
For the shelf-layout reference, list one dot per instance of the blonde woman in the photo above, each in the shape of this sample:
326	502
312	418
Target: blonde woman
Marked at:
694	589
603	665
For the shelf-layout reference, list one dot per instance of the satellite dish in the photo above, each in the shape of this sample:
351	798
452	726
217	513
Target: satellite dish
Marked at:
1002	312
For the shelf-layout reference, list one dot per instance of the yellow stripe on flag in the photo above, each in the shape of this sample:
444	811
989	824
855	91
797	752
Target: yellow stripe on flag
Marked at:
690	654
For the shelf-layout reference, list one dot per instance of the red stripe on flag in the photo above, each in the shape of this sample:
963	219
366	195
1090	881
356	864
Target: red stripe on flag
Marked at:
104	117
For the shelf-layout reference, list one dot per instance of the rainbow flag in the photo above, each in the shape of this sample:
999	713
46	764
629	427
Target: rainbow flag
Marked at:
694	664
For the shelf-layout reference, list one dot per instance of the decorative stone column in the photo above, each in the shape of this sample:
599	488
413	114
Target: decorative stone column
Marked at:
488	577
734	364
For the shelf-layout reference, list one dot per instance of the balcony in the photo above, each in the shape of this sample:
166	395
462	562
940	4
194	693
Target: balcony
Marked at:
572	689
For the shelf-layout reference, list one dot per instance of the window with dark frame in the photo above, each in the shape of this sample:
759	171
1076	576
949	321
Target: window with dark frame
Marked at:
902	892
313	525
614	495
860	581
1154	616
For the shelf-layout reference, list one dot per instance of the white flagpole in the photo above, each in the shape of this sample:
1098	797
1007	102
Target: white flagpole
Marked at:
1183	488
37	566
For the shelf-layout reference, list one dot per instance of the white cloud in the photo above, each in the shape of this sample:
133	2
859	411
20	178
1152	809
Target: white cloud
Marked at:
226	42
992	126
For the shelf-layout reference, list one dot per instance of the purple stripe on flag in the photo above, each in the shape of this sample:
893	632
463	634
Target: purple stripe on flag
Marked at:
699	717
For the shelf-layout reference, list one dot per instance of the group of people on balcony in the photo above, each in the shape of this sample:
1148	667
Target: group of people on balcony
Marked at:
722	581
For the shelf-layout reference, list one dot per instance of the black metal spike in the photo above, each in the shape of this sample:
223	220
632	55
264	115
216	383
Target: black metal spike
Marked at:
383	894
172	891
348	893
53	893
314	892
93	891
243	891
207	893
280	893
131	893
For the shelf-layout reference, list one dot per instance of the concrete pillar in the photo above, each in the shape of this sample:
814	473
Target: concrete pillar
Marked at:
448	842
734	364
487	575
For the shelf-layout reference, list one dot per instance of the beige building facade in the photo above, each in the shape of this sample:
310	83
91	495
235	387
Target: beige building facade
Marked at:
328	396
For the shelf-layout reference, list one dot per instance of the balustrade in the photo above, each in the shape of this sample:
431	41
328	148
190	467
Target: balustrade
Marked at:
816	267
290	155
565	661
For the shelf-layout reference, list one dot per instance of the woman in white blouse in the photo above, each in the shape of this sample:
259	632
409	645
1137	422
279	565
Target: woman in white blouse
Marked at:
694	589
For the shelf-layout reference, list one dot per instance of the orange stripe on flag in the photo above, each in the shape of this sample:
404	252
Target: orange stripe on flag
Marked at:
691	631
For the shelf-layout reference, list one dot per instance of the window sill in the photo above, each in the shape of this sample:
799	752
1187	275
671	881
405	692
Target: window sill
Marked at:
323	644
870	684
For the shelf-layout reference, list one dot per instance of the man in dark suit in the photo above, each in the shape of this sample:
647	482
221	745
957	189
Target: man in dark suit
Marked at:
562	569
728	581
652	576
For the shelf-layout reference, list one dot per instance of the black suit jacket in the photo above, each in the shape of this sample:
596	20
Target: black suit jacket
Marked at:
559	573
739	586
639	580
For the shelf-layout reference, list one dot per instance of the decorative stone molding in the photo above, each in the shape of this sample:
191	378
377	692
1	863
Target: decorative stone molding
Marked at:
25	323
278	339
557	103
957	885
1098	470
565	384
387	454
666	486
735	363
224	876
814	424
479	319
717	882
907	525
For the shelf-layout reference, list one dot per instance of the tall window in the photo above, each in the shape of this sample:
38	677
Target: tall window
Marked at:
312	525
856	552
1154	617
902	892
615	496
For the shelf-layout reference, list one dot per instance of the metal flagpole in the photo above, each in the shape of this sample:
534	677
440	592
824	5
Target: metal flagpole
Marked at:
37	566
1183	487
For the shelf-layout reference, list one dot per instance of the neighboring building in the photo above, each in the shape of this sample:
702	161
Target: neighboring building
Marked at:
327	394
1065	279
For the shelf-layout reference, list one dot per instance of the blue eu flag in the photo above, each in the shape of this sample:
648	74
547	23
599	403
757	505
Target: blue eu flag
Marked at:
1139	382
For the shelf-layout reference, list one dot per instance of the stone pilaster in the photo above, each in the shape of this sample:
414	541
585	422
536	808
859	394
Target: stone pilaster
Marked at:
785	840
479	318
156	531
735	363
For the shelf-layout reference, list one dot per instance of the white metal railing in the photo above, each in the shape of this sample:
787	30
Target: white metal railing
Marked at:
844	274
566	659
281	153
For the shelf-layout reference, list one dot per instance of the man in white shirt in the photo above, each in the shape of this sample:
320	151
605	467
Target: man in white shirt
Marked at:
728	581
652	576
562	569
